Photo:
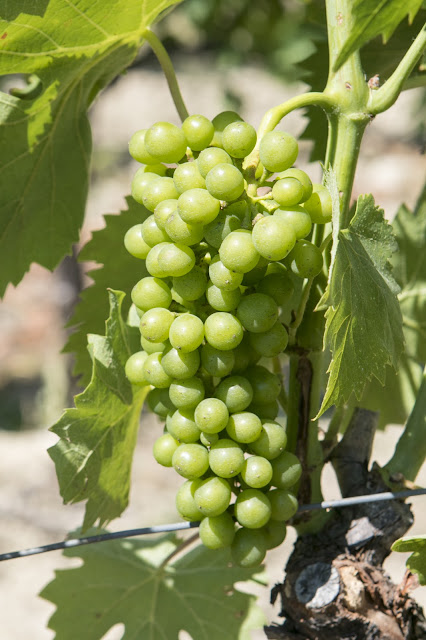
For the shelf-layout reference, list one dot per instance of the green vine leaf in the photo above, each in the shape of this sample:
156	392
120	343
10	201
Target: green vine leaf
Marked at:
131	582
363	319
75	51
93	457
373	18
119	270
416	563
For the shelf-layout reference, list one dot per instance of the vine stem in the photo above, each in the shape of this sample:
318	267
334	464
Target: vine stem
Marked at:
300	311
167	66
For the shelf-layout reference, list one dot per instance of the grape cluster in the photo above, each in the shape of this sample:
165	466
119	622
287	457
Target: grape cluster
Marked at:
219	253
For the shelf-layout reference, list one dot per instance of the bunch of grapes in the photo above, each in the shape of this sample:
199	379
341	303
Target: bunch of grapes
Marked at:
219	241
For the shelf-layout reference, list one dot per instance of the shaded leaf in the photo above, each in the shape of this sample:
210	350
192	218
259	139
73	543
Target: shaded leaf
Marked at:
131	582
75	51
416	563
93	457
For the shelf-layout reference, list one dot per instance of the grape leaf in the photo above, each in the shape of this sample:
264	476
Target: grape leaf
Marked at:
131	582
372	18
363	319
416	563
75	50
93	457
120	271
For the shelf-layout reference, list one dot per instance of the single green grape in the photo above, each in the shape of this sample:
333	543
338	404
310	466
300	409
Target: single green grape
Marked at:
217	532
225	222
187	394
151	262
302	177
198	132
154	347
278	286
257	312
154	372
191	460
286	470
237	251
222	277
265	384
221	299
271	442
175	259
297	218
208	439
306	259
224	118
239	139
288	191
273	238
254	276
134	369
278	151
244	427
155	324
158	190
210	157
165	142
159	402
180	365
212	496
188	176
256	472
137	148
225	182
249	547
265	411
223	331
242	356
158	168
216	362
135	244
164	448
252	508
151	232
163	211
186	332
198	206
236	392
319	205
226	458
140	181
185	503
283	504
192	285
211	415
182	427
270	343
183	232
275	533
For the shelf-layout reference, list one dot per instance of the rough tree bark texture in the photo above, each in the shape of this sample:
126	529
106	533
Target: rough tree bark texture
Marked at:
335	586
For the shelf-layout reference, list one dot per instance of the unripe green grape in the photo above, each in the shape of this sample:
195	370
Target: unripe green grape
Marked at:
288	191
211	415
238	253
255	275
225	182
217	230
275	533
222	277
163	210
216	362
302	177
175	259
286	470
319	205
297	218
273	238
192	285
155	324
165	142
236	392
212	496
187	176
137	148
183	232
257	312
224	118
186	332
135	244
249	547
270	443
208	439
158	190
154	372
265	411
151	232
182	427
158	168
164	448
134	369
185	503
222	300
210	157
187	394
244	427
239	139
154	347
191	460
226	458
223	331
306	259
198	132
140	182
151	262
278	151
217	532
198	206
242	355
266	385
252	508
159	402
270	343
180	365
256	472
277	285
283	504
